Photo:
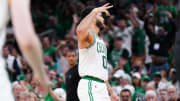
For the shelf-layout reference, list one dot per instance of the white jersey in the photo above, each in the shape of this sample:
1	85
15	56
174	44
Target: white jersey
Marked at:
6	91
93	59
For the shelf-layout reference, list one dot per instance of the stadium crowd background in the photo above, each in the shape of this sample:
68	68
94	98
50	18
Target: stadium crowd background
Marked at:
139	35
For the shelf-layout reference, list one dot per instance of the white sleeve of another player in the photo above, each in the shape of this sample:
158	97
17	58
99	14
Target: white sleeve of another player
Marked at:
3	13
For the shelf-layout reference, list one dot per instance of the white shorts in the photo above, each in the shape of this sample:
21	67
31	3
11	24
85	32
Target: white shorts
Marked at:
89	90
5	86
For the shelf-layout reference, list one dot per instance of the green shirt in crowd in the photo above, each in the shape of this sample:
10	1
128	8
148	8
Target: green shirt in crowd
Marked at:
115	57
139	94
51	50
48	98
139	41
163	19
54	67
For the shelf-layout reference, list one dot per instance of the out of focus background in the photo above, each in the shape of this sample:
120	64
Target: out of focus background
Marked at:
139	35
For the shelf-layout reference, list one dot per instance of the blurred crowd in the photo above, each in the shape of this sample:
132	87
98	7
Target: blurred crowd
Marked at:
139	36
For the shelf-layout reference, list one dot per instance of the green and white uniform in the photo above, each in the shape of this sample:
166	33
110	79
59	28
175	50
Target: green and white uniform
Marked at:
93	70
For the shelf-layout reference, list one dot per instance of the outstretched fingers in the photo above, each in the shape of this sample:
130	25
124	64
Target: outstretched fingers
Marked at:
106	12
105	5
108	7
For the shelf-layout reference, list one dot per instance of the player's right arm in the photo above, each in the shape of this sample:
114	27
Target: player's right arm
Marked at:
27	38
85	39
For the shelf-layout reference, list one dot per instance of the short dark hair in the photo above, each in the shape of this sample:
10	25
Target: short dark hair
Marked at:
119	38
72	50
125	90
125	54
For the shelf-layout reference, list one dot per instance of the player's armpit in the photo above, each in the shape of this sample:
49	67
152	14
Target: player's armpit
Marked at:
88	41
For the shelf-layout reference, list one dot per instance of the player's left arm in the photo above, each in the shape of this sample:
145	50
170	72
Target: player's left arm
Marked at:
112	94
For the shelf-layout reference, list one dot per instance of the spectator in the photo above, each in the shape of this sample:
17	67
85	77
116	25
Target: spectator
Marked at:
172	94
162	94
126	33
123	62
174	81
52	65
151	95
16	63
17	90
139	94
159	50
150	86
8	57
47	48
165	14
124	80
52	75
138	65
116	53
9	60
157	77
136	80
125	95
60	82
61	59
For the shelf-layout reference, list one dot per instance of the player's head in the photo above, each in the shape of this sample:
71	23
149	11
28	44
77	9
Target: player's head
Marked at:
99	20
71	58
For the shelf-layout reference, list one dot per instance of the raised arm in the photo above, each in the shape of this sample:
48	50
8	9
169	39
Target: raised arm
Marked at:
134	19
27	39
85	24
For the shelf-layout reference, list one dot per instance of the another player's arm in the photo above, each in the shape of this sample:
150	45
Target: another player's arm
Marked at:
85	39
112	94
27	39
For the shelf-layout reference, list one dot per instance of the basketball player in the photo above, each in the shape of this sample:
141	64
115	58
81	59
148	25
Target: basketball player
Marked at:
28	42
93	57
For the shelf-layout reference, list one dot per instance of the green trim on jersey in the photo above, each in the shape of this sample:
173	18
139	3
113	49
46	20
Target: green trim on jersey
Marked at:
90	90
93	79
92	33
